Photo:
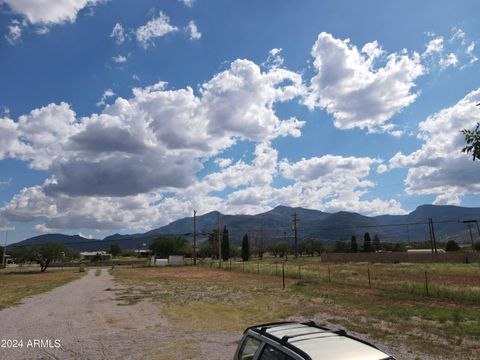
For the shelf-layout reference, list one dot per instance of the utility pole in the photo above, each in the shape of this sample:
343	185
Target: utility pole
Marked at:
219	238
432	235
295	221
468	222
4	262
471	235
194	237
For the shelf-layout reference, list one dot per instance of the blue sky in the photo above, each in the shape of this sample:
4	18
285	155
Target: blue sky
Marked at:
121	116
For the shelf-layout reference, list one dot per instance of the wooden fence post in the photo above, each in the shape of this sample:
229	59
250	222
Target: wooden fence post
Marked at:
329	276
426	283
369	281
283	275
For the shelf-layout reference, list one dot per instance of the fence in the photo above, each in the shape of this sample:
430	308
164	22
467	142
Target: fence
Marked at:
444	281
402	257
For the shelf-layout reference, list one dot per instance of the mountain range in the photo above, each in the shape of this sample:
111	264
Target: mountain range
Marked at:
277	224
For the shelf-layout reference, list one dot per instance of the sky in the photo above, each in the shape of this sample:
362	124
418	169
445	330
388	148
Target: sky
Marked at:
121	116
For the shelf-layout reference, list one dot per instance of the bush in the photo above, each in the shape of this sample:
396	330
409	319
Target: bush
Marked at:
166	246
96	258
452	246
477	246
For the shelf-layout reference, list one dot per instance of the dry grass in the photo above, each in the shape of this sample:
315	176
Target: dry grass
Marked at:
16	286
206	301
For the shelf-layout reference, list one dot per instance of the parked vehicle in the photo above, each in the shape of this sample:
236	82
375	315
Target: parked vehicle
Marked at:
303	341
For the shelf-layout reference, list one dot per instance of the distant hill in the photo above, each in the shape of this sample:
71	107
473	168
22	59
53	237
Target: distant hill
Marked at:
276	224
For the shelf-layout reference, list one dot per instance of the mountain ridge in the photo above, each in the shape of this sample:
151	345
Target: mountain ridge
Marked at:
276	224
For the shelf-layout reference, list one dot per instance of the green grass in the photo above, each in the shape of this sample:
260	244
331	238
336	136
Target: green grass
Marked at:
16	286
458	282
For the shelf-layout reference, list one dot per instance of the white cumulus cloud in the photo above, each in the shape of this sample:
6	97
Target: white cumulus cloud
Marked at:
118	33
192	30
188	3
439	167
110	170
106	94
349	85
15	30
50	11
119	59
155	28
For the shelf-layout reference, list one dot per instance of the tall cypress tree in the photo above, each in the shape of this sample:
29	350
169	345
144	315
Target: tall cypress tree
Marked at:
245	248
367	243
225	245
353	244
377	246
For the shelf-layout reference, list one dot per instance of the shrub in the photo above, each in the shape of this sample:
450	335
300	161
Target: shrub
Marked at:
452	246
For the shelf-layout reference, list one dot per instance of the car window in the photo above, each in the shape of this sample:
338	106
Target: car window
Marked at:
249	348
270	353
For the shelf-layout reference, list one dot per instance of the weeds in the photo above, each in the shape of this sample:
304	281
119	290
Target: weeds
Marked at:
15	287
207	300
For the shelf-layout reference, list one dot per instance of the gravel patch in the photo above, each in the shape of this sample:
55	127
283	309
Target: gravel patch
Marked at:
84	320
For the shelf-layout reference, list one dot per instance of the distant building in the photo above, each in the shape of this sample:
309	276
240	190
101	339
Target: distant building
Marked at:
424	251
89	255
143	253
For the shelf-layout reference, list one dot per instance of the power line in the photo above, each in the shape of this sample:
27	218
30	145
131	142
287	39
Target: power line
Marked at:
279	232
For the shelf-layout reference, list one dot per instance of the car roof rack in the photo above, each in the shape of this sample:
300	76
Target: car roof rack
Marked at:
262	330
276	339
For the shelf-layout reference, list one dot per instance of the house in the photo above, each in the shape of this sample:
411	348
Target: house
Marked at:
424	251
95	255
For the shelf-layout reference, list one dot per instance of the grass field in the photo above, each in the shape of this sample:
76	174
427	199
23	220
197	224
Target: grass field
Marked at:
395	311
16	286
459	282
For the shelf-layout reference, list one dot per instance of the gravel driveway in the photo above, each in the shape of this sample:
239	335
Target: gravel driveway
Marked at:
82	320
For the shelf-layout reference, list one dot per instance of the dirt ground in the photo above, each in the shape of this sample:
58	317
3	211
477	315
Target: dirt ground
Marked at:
89	319
82	320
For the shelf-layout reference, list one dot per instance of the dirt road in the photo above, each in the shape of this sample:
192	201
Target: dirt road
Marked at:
83	320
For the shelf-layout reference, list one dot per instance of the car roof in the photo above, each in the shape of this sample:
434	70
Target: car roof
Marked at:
319	342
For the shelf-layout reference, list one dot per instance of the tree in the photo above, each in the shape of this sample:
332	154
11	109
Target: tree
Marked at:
225	245
310	246
340	246
115	250
316	247
477	246
23	254
367	243
280	248
213	241
51	252
353	244
377	246
166	246
245	248
96	258
398	247
302	247
207	250
43	254
472	138
452	246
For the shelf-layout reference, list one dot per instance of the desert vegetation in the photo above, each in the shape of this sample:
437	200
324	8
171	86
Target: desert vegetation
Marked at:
400	316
